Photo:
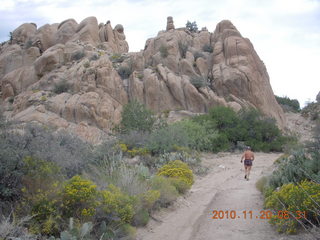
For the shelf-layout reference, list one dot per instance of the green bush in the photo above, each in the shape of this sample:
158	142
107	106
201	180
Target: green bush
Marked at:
183	48
304	197
289	104
248	126
312	110
192	26
262	183
207	48
165	139
61	87
124	72
179	170
168	193
164	51
117	58
181	185
199	81
77	55
198	55
199	138
295	168
141	218
136	117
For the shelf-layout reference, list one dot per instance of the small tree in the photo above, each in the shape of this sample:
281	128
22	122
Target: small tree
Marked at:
192	26
135	116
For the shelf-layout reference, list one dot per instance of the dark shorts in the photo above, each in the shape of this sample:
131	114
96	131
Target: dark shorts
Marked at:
248	162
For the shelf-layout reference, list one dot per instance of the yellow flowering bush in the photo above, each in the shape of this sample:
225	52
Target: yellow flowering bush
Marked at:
134	151
149	198
177	169
79	198
117	204
303	197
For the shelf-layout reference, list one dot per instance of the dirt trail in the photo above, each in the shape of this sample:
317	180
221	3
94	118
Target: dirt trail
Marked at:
224	188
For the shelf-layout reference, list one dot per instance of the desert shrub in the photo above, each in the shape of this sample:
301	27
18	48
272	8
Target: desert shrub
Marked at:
198	55
11	100
79	198
181	185
303	197
187	156
69	152
290	104
124	72
61	87
183	48
149	199
136	117
199	138
14	229
86	64
77	55
117	205
141	218
262	183
207	48
192	26
94	57
165	139
117	58
179	170
295	168
248	126
311	110
133	151
168	193
135	139
11	170
28	44
199	81
164	51
39	195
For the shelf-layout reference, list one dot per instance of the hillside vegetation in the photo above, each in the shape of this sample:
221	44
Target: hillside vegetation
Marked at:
54	184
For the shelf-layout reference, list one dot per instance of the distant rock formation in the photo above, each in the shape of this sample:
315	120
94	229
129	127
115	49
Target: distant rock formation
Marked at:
79	76
170	24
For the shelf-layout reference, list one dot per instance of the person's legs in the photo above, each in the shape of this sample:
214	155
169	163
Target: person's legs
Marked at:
248	172
245	171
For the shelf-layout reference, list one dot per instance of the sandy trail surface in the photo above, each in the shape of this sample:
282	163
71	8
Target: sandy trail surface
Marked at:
223	188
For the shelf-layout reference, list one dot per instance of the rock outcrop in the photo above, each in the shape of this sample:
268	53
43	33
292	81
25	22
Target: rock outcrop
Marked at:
170	24
318	97
79	76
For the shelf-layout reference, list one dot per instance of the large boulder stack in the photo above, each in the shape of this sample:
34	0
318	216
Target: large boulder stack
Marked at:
78	76
238	71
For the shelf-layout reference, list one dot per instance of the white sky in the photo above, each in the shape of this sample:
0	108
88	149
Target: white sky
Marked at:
285	33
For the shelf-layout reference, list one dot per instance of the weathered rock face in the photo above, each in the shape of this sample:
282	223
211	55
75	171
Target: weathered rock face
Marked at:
318	97
78	76
238	71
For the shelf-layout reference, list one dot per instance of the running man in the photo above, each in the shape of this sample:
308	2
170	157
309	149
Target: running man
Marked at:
248	158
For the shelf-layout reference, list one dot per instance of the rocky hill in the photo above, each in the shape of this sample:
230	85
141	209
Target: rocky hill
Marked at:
78	76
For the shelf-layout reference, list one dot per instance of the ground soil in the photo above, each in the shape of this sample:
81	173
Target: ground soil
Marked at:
223	188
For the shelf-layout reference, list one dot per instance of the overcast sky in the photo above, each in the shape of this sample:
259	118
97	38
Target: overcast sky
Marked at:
285	33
